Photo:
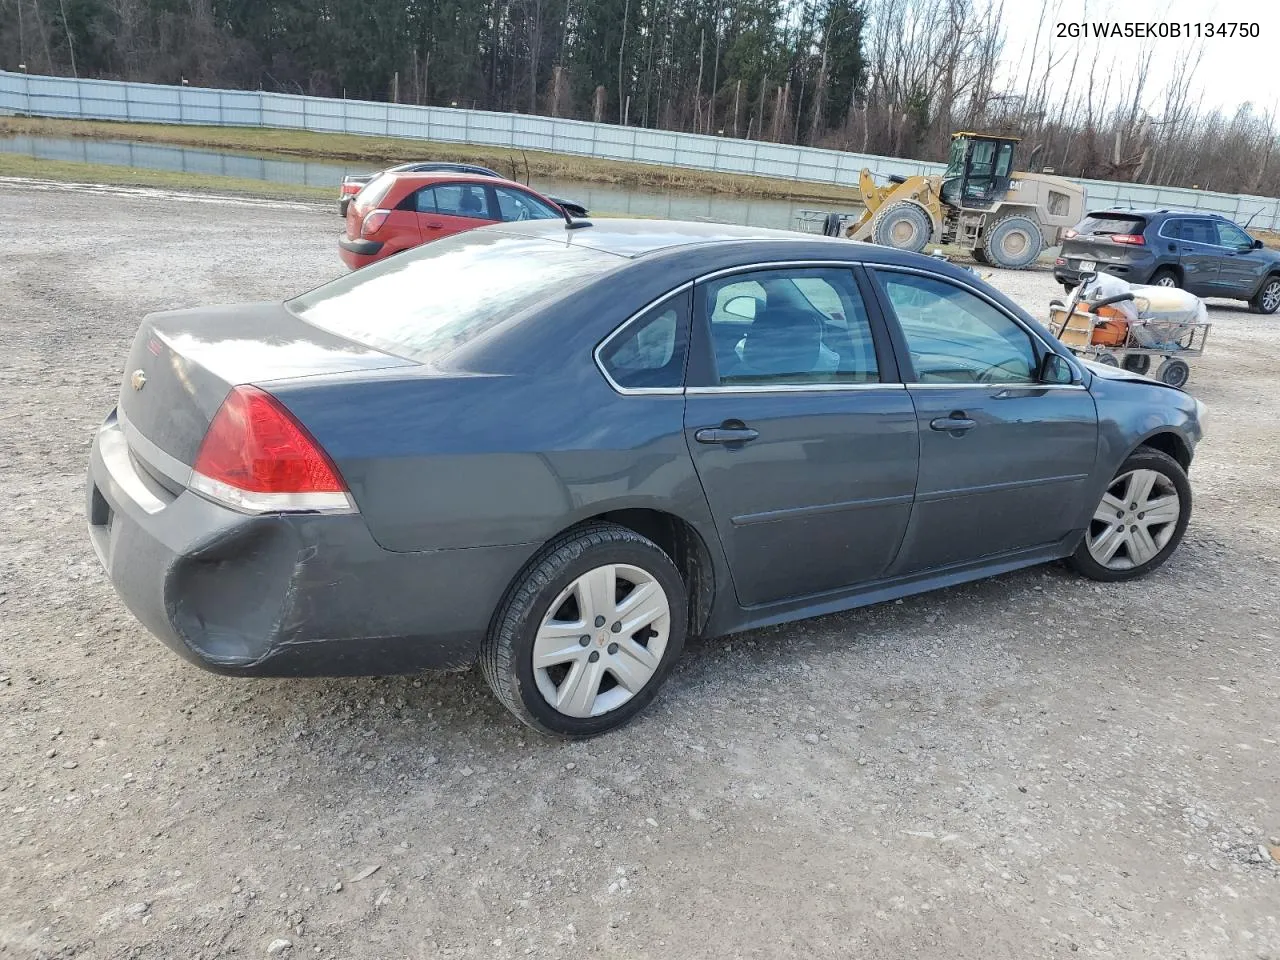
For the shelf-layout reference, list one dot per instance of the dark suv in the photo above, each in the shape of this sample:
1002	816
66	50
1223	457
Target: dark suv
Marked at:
1202	253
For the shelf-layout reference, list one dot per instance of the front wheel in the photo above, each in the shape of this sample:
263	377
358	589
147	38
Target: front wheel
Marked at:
1267	299
588	633
1140	520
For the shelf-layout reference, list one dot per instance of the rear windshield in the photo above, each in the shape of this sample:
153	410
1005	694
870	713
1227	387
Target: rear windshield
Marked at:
427	302
373	192
1109	223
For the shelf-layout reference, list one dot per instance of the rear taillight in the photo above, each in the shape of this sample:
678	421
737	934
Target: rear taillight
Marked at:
1070	234
258	459
350	189
373	222
1132	239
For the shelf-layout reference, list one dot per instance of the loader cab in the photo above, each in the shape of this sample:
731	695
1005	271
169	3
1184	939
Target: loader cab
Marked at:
978	170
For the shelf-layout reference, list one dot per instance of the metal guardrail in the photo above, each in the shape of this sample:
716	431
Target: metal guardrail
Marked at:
22	94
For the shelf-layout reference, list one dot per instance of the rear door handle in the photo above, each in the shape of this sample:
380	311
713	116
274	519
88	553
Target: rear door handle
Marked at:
725	434
953	424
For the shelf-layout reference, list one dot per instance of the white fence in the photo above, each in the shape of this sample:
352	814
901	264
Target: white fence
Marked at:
151	103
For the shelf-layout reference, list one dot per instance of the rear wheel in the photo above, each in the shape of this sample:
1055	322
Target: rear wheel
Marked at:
1014	242
1267	299
903	225
1164	277
1107	357
1139	521
981	256
588	633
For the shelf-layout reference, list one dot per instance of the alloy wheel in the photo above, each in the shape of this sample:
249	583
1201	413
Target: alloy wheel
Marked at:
1135	520
1271	296
1166	281
602	640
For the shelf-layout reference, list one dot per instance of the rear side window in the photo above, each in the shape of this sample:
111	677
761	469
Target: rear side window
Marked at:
463	200
649	352
1105	224
427	302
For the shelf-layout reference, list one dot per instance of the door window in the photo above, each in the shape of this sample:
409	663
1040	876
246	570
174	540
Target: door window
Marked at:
955	336
455	200
518	205
649	352
789	326
1231	236
1199	231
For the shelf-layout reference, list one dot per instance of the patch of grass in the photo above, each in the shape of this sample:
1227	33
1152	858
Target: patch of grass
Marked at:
387	151
17	165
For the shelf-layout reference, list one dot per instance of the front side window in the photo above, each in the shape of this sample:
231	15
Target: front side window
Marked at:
649	352
1229	235
462	200
956	337
517	205
789	326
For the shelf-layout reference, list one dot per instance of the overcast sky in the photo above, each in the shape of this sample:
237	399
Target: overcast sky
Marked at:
1232	71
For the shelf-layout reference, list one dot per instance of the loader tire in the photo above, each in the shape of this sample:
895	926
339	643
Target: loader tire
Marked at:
1013	242
903	225
981	256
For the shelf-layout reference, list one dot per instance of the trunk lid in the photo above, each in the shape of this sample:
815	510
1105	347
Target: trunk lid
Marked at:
184	362
1093	239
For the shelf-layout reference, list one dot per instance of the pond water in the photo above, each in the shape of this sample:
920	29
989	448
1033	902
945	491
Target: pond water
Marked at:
600	198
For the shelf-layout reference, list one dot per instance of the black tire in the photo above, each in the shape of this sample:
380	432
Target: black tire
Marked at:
1144	458
1013	242
831	225
1164	277
1267	299
903	225
1069	287
1138	363
506	655
1174	372
981	256
1108	358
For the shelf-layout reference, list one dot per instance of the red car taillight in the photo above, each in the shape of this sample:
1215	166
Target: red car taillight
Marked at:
257	458
1132	239
373	222
351	189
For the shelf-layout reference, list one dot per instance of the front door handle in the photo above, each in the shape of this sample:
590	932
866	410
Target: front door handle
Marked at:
953	424
433	225
725	434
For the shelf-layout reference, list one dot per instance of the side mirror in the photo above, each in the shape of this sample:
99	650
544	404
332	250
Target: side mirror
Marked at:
1054	369
1257	245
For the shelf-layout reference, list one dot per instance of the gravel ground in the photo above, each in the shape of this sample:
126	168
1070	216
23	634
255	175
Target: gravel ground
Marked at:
1031	766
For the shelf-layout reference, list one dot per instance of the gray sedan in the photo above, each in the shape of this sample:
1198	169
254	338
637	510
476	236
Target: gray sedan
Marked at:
562	451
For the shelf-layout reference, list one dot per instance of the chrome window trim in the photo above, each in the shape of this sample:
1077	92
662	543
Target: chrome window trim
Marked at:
995	386
775	265
793	388
171	467
621	328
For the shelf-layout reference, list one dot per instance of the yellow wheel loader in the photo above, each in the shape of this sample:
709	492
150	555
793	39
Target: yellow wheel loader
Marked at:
1006	219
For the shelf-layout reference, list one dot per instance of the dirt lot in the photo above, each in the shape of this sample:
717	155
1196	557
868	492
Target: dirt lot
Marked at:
1031	766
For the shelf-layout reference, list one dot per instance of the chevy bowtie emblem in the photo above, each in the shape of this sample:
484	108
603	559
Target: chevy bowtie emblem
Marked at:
139	379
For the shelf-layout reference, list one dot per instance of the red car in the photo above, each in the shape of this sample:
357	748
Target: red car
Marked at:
397	211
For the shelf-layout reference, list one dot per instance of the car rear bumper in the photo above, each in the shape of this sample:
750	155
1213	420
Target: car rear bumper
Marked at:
1133	269
359	253
284	595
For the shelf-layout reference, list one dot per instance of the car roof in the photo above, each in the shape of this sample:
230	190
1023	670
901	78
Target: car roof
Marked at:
634	238
1152	213
448	176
